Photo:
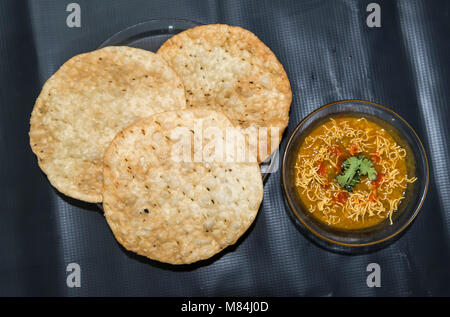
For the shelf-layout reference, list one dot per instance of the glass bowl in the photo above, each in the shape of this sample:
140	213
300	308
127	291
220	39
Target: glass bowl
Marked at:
380	234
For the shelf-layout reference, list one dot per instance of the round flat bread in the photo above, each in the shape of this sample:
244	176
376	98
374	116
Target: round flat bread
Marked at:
86	102
177	210
229	69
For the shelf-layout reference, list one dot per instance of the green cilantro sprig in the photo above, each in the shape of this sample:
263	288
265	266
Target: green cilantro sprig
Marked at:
352	170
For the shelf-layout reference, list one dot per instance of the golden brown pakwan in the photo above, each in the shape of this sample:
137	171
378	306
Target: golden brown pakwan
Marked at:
91	98
351	173
171	210
229	69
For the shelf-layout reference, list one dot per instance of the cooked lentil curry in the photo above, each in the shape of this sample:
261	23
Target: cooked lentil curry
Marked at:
351	173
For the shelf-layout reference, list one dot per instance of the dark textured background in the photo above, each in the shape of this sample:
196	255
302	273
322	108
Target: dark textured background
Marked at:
329	54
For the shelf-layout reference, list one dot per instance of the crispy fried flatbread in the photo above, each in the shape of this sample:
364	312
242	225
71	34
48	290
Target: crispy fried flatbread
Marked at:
86	102
171	209
228	68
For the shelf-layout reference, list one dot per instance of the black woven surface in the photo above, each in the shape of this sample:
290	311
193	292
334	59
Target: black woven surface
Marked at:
329	54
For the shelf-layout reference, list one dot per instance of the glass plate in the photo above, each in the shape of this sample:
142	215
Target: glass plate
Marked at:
150	36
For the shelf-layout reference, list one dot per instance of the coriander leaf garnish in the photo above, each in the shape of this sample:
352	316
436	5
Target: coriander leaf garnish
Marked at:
366	168
349	169
353	168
